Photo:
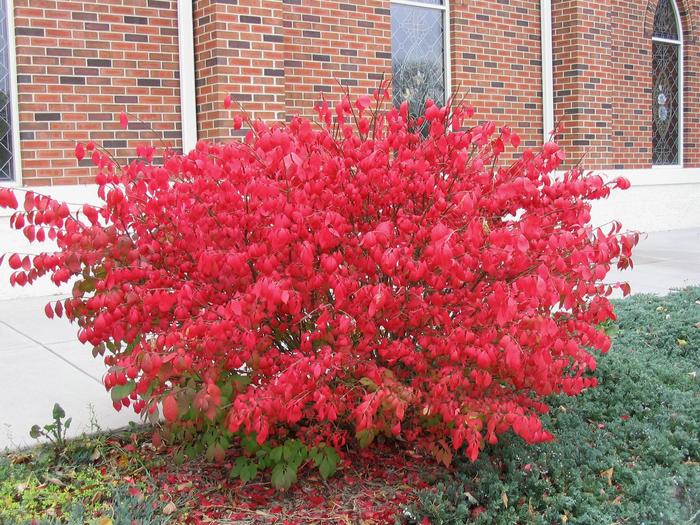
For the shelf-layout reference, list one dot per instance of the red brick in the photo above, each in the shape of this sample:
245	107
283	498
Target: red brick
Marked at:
64	51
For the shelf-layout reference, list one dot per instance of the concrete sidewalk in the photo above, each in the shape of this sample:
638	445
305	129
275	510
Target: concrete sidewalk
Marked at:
41	361
663	261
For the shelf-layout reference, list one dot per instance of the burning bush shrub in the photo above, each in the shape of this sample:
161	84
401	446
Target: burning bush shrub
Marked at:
374	275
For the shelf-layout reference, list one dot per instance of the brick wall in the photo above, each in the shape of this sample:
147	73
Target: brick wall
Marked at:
79	63
496	59
278	58
582	79
630	63
331	46
239	50
603	81
328	46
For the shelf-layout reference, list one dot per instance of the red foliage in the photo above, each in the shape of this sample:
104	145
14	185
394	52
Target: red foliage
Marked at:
373	276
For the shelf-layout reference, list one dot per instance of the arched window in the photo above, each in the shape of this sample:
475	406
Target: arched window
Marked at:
667	81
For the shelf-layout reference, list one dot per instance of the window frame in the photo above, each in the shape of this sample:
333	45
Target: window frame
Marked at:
681	93
446	51
14	103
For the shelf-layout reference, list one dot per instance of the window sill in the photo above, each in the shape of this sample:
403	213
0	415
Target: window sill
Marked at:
656	175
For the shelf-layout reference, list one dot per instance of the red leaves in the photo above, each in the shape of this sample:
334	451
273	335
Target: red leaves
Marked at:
15	261
319	279
123	120
8	199
79	151
622	183
363	102
170	409
227	102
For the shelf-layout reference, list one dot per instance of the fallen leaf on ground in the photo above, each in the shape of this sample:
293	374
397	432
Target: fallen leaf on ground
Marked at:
470	498
504	499
608	474
20	459
55	481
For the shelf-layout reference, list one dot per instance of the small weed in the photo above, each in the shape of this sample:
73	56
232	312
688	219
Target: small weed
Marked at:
54	432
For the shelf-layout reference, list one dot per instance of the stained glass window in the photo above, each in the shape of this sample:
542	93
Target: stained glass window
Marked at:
418	53
666	78
6	166
665	25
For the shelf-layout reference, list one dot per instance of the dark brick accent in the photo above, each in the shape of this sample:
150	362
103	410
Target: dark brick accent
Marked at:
94	26
238	44
131	37
99	62
148	82
273	38
29	31
47	117
139	20
247	19
72	80
100	116
113	144
269	72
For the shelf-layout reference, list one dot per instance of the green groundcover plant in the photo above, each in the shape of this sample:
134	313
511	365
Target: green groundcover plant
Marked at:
76	489
627	452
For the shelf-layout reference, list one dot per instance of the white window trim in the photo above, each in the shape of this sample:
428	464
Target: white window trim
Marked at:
188	101
547	69
14	108
681	93
446	50
656	176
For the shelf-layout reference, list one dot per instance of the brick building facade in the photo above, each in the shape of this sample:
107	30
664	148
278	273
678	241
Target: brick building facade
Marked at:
73	65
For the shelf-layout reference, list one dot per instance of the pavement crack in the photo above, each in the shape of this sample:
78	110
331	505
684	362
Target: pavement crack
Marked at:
50	350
